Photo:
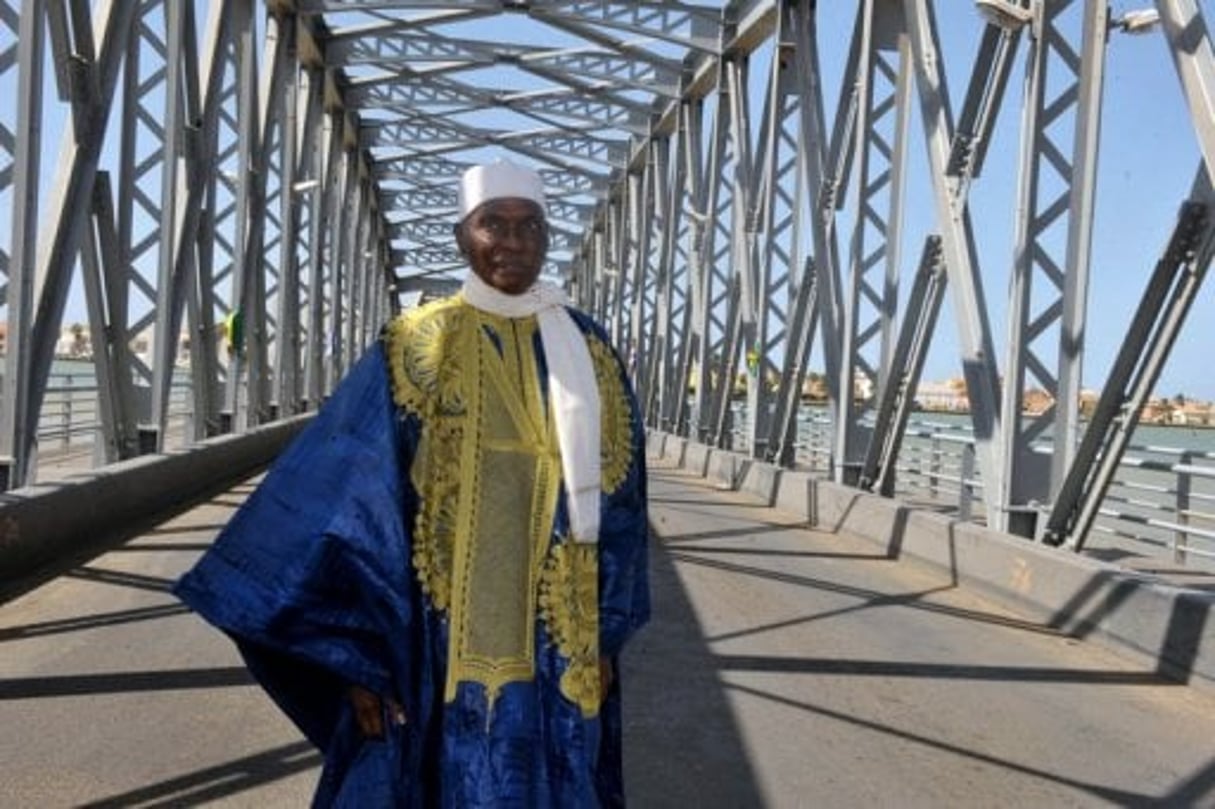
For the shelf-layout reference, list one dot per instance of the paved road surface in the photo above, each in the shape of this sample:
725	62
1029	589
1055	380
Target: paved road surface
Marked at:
784	668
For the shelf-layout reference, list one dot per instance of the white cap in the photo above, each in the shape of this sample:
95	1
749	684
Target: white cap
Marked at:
498	180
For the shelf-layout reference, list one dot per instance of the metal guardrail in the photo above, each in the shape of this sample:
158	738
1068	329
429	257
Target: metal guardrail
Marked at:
1161	505
69	426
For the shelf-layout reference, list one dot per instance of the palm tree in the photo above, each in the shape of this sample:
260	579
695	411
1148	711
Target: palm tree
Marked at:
80	345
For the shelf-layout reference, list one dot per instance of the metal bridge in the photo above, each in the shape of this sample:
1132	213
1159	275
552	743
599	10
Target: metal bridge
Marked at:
259	186
249	190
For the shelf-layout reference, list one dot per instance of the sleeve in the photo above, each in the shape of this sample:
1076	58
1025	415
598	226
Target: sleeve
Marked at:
311	574
624	593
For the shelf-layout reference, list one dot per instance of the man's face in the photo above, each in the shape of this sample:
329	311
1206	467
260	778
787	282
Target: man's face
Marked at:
505	241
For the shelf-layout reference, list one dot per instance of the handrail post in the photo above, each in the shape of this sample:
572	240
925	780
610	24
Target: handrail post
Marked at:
66	414
934	466
1185	483
966	491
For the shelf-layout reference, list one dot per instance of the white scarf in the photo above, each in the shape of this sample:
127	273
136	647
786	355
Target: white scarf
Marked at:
572	388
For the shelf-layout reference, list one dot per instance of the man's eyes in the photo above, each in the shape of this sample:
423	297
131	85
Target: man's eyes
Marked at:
498	227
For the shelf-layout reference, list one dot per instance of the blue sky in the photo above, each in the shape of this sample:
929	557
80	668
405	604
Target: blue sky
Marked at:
1148	159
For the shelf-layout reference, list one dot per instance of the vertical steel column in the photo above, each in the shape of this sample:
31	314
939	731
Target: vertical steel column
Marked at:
641	217
344	263
599	270
203	83
318	213
621	250
650	316
18	425
354	269
741	278
1062	94
10	122
294	138
957	242
315	129
170	286
218	75
247	119
714	277
366	270
140	181
339	222
263	284
691	375
825	169
787	223
884	87
669	298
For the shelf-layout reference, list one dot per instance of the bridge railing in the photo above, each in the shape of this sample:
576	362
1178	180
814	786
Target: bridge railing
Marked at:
1161	504
70	428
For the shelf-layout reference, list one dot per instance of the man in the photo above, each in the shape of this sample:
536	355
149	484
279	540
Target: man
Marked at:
435	580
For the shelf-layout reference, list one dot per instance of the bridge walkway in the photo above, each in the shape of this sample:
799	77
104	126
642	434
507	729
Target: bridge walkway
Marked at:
784	667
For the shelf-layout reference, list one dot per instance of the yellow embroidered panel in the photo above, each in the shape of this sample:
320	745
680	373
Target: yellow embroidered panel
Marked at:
569	606
488	473
430	352
616	439
513	501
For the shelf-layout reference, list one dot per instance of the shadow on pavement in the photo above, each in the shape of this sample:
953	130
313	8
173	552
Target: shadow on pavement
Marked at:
681	742
222	781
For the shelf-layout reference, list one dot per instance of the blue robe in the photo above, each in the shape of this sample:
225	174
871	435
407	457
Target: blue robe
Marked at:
314	581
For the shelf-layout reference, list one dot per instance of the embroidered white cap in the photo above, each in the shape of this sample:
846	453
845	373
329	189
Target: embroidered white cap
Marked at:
498	180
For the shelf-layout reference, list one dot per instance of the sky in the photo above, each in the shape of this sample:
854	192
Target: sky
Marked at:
1148	159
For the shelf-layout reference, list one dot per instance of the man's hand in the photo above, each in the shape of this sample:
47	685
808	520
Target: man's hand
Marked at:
606	676
369	712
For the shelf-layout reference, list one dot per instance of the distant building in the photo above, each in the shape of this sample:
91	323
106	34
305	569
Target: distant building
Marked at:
862	386
74	342
1035	402
1194	414
1157	411
949	395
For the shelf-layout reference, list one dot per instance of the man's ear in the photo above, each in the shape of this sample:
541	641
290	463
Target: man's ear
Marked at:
458	231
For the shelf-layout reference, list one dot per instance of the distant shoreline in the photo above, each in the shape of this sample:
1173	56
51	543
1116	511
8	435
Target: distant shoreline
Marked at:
945	411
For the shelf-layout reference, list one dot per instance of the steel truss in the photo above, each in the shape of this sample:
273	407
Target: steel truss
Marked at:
201	159
264	181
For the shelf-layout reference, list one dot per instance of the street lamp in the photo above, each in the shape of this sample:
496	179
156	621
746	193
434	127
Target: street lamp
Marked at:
1137	22
1004	14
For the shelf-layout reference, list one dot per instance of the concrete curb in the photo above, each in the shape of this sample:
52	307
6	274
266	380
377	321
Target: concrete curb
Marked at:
45	526
1079	596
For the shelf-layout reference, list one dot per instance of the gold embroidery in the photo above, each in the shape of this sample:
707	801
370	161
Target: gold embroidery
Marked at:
427	350
426	358
508	507
487	472
616	441
569	607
